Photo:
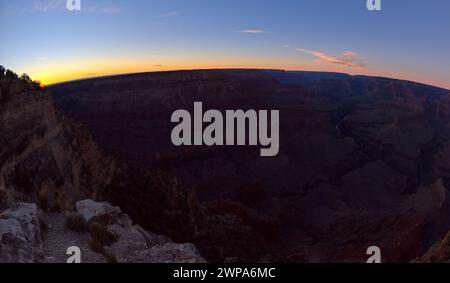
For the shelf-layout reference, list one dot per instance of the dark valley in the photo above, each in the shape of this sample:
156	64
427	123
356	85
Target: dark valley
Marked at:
363	161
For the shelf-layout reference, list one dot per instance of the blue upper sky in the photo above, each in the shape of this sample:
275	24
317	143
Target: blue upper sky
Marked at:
406	39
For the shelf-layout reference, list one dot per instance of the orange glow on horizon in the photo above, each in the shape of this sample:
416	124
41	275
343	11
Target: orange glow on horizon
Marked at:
57	73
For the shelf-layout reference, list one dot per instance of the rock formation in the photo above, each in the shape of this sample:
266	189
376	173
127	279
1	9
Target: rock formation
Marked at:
51	162
20	234
28	235
438	253
44	157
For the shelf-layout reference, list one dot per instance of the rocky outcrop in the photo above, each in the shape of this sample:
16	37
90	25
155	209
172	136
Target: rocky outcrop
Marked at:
28	235
438	253
20	234
45	158
52	161
130	243
91	211
134	244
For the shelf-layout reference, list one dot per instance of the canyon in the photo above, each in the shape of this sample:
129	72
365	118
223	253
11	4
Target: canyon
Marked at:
363	161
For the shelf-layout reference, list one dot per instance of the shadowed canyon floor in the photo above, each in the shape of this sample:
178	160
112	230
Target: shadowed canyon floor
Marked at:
363	161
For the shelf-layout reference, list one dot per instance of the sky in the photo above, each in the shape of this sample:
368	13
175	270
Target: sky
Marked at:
407	39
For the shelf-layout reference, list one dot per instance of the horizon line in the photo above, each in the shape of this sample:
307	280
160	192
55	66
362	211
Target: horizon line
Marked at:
241	69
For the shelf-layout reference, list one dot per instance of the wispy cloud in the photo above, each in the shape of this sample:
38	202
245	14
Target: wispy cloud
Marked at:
252	31
102	9
41	59
47	6
348	58
166	15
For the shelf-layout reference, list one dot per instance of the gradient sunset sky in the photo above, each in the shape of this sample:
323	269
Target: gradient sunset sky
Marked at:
407	39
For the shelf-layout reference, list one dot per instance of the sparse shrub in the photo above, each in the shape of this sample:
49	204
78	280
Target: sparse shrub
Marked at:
47	203
43	225
110	258
104	219
39	254
10	74
101	234
25	78
96	246
42	201
3	200
56	208
37	85
76	222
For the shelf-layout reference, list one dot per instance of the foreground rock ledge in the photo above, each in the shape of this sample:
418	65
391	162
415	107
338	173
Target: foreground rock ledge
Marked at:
27	235
20	234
